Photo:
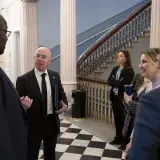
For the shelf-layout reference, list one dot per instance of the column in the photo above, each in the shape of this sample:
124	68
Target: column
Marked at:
68	46
15	55
155	24
28	34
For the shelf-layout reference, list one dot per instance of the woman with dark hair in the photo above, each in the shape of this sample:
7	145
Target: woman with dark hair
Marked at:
120	76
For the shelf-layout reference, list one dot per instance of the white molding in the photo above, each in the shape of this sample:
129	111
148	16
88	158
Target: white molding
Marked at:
7	69
69	82
5	6
16	29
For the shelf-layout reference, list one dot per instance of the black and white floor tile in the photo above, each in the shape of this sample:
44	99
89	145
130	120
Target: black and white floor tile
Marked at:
78	144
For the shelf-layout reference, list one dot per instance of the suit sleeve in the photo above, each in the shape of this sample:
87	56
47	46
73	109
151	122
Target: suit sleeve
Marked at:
20	86
61	93
111	78
146	138
6	151
127	78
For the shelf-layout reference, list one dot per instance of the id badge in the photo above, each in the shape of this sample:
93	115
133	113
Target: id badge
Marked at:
115	91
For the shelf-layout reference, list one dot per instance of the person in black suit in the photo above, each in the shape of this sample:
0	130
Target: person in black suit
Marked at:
146	136
120	76
13	119
45	88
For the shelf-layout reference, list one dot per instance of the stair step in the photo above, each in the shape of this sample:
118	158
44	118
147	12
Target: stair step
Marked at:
98	71
104	67
142	35
135	41
109	62
114	57
147	33
128	47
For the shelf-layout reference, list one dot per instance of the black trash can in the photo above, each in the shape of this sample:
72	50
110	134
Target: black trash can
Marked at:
78	104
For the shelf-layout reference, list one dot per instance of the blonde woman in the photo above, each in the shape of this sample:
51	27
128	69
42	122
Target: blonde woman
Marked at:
150	68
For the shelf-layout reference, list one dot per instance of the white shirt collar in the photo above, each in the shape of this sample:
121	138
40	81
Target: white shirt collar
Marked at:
37	72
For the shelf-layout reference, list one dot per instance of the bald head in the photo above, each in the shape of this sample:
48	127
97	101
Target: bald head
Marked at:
42	58
45	51
3	31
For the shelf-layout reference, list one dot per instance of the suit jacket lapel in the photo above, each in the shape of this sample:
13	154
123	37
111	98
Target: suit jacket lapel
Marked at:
34	83
52	79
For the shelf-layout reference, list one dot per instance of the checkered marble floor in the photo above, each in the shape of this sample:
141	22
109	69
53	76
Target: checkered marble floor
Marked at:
78	144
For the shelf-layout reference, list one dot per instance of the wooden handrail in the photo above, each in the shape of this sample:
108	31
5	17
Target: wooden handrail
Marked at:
117	28
92	80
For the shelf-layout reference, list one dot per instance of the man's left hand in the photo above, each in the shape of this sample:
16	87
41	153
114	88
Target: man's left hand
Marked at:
63	109
27	102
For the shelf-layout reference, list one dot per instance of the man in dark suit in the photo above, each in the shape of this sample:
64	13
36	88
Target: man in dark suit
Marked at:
13	119
45	88
146	137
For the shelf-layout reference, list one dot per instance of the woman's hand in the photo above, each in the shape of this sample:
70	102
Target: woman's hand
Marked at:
127	98
128	147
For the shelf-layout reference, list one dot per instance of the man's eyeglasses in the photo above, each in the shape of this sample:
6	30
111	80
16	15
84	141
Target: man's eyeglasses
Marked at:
43	57
8	33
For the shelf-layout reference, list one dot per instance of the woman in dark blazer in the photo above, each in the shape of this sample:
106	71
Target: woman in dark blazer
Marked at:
120	76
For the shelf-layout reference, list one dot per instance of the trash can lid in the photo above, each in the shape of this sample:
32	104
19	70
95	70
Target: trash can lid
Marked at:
77	90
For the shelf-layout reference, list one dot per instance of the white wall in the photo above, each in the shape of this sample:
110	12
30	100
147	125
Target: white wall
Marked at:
14	26
88	13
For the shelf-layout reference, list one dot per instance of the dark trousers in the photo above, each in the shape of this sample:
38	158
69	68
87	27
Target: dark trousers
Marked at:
43	129
118	112
126	139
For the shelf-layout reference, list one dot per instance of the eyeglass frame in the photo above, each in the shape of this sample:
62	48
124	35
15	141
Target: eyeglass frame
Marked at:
8	33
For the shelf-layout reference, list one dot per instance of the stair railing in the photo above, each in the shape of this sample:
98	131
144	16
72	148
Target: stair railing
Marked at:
119	37
122	35
98	104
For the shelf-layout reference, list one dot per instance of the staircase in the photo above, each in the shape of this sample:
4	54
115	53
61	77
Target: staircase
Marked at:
96	62
91	36
123	36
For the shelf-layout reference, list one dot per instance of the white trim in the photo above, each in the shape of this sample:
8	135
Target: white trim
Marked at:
87	40
56	57
7	5
7	69
96	42
97	34
68	82
16	29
